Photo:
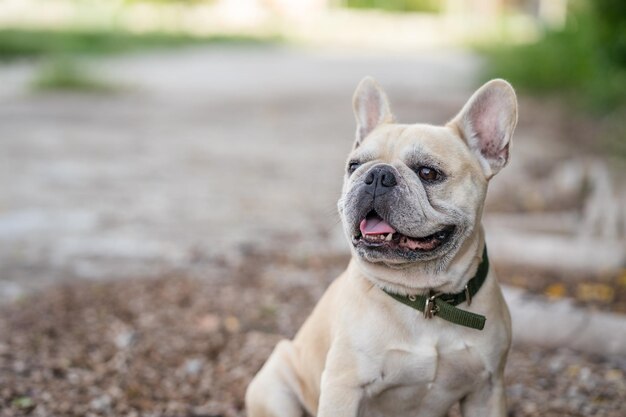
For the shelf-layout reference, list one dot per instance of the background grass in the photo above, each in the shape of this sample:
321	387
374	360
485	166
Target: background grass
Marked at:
430	6
69	74
17	43
62	51
586	59
584	62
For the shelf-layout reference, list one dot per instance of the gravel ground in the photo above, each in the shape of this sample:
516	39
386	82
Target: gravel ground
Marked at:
187	346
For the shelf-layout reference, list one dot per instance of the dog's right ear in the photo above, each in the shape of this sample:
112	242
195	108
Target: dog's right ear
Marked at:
371	108
487	122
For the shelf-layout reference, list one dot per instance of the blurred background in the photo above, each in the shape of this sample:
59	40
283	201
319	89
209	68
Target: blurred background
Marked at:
169	171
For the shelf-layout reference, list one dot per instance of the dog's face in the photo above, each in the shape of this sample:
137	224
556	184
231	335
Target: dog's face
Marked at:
413	194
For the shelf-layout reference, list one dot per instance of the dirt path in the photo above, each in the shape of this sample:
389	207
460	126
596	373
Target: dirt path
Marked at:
207	152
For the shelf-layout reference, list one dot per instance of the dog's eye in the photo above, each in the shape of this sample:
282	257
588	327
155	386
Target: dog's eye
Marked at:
428	174
352	166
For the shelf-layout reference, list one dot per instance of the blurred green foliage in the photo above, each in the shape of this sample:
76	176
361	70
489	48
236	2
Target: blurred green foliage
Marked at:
15	43
62	68
585	59
611	19
172	1
396	5
67	73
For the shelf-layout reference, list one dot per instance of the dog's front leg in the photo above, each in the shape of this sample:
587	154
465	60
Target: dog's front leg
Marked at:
338	399
340	390
488	401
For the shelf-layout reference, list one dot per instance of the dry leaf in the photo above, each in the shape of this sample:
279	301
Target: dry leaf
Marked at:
595	292
555	291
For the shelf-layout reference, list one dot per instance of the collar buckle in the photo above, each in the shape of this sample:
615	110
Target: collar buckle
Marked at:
430	307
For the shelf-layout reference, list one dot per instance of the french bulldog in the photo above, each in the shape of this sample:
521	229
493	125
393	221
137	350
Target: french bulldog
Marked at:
417	322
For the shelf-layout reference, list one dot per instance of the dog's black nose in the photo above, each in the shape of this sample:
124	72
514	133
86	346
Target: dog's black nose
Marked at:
380	180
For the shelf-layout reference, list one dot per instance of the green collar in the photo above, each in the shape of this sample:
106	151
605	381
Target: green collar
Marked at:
442	305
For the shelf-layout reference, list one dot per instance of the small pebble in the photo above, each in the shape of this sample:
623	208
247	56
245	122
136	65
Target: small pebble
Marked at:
193	366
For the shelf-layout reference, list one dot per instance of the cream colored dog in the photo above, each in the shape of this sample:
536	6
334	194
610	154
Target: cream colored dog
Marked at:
411	208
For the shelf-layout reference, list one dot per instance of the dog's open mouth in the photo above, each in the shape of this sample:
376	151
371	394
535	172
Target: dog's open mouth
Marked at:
377	233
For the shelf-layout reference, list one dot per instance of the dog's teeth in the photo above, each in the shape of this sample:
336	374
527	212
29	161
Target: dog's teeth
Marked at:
389	236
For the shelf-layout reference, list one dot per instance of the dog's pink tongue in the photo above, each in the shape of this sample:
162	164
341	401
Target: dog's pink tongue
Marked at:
375	226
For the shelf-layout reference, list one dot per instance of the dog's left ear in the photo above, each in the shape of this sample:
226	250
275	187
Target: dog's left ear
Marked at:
487	122
371	108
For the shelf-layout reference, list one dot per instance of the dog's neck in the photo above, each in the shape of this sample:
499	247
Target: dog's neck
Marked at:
416	280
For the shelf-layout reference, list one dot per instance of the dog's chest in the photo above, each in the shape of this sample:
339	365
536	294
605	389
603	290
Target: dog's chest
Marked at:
412	376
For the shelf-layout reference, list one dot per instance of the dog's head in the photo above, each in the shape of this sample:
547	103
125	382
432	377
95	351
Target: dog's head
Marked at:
413	194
